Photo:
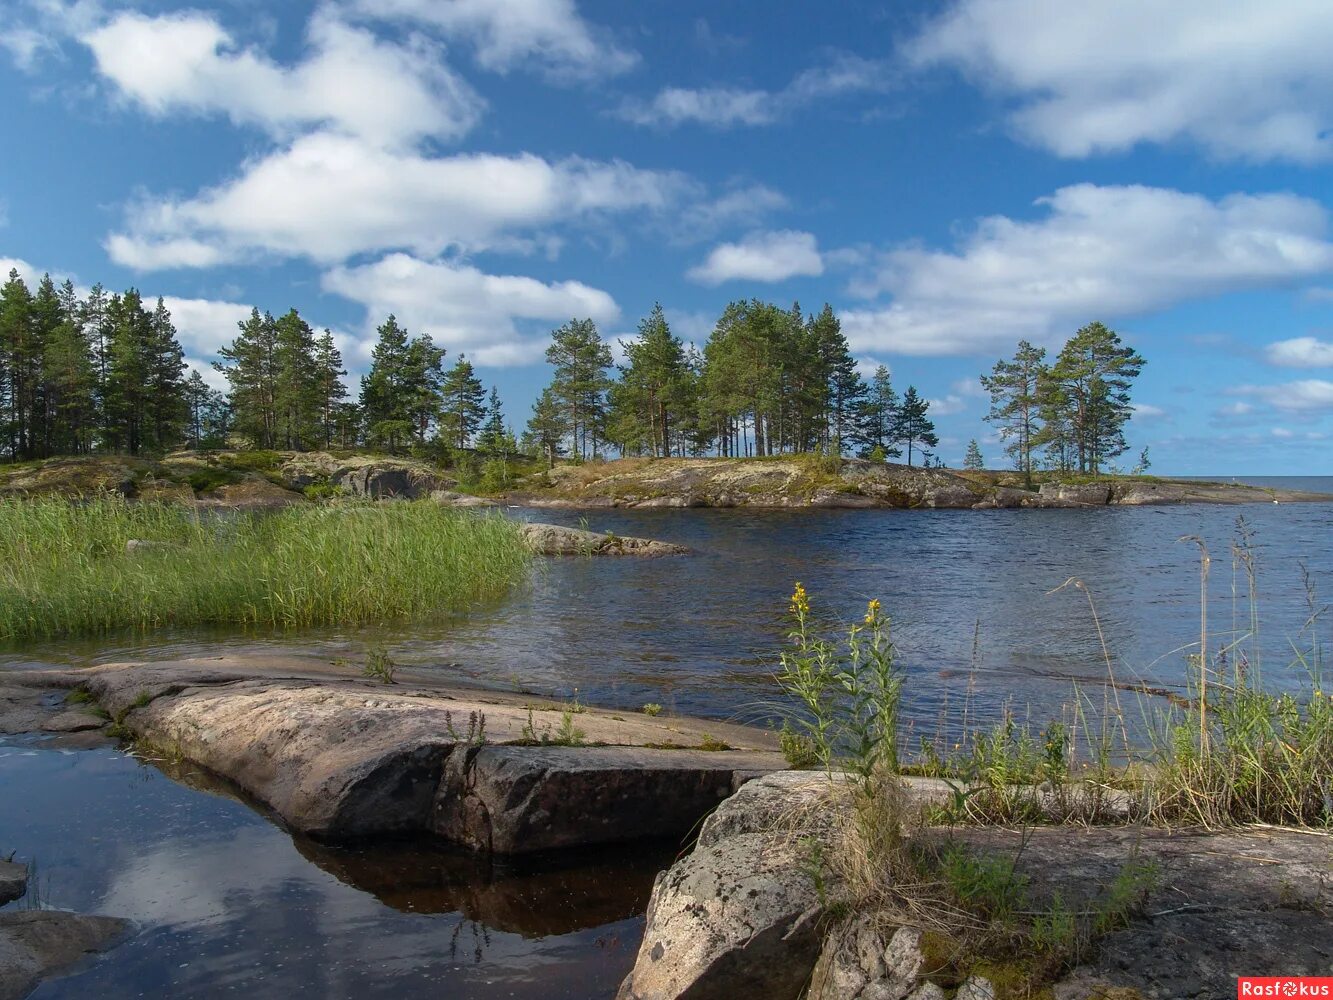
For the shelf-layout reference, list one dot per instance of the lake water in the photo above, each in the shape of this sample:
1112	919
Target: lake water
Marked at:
230	904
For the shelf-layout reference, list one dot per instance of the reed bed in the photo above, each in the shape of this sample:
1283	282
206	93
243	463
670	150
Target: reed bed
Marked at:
65	569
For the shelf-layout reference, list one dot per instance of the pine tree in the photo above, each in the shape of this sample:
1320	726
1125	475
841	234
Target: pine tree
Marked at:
491	440
1015	392
127	424
651	396
298	384
207	414
462	403
877	416
164	359
251	369
18	344
548	427
580	359
973	460
329	372
71	380
913	427
384	401
845	389
1093	374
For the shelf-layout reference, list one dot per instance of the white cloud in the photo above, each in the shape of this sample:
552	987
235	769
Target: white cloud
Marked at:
350	81
205	325
947	406
1311	395
764	256
1147	411
1300	352
509	33
465	309
329	197
724	107
1096	252
1243	80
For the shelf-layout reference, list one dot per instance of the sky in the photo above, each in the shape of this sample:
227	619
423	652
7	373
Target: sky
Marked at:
951	177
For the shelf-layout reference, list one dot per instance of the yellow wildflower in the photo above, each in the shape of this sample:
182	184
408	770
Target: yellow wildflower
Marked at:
800	603
872	611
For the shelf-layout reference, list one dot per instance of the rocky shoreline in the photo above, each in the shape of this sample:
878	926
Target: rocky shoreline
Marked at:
743	914
341	758
790	482
248	481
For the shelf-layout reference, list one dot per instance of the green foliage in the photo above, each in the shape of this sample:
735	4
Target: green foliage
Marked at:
849	689
567	735
651	709
64	568
319	492
799	750
208	479
379	666
911	426
712	743
973	461
474	736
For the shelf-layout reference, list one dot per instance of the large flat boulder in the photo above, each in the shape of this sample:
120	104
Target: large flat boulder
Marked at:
38	944
557	540
339	757
383	482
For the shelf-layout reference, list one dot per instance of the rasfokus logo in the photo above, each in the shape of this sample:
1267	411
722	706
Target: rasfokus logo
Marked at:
1284	986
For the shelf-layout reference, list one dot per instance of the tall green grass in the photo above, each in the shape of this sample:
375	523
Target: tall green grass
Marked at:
64	568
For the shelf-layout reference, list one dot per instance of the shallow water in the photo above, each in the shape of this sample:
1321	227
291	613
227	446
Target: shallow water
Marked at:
230	904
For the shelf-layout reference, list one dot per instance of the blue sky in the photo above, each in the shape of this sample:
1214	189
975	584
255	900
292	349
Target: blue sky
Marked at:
951	177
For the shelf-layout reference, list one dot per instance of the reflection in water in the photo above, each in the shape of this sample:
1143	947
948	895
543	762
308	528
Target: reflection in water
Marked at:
226	903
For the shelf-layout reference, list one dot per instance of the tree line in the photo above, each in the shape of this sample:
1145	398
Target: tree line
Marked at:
768	381
106	373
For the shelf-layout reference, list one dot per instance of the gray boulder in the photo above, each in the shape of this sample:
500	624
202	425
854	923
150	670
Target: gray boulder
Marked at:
517	800
864	960
739	916
38	944
1142	494
731	921
13	881
1081	495
384	482
557	540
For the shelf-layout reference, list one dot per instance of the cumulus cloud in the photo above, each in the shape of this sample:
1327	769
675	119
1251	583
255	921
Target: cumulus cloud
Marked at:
763	256
1300	352
205	325
1147	411
1310	395
550	34
1243	80
328	197
1094	252
350	81
725	107
465	309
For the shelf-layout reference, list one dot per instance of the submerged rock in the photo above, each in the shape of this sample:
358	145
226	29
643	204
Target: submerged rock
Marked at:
38	944
557	540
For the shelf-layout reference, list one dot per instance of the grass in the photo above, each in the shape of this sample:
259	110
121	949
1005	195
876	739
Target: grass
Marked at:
64	569
1231	752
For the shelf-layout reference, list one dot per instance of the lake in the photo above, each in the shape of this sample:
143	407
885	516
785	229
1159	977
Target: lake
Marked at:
230	904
